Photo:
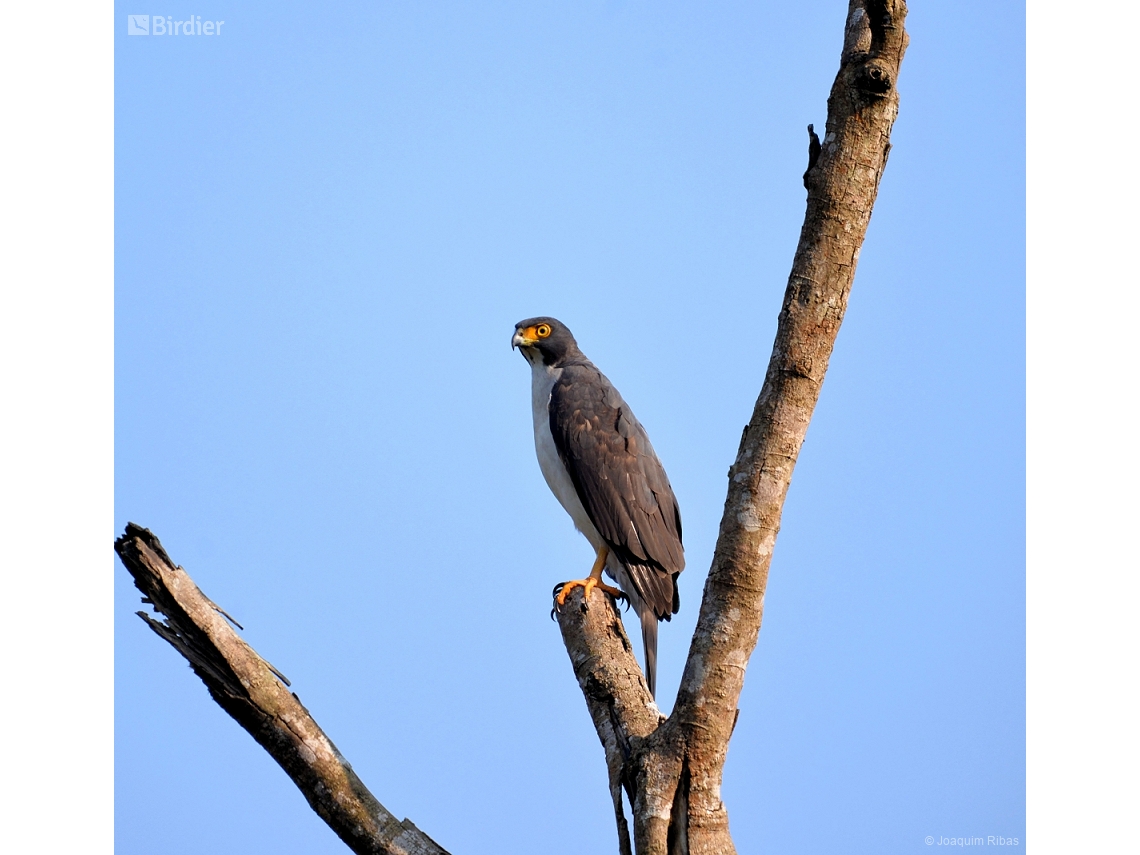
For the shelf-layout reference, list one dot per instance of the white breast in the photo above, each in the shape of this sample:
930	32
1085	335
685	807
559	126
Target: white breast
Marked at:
557	478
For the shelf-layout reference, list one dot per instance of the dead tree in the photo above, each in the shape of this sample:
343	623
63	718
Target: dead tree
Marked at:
670	768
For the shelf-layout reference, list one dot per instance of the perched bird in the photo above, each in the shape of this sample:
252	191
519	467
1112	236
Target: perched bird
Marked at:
598	462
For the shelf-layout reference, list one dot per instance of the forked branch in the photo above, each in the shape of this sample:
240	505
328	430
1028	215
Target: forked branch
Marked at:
681	762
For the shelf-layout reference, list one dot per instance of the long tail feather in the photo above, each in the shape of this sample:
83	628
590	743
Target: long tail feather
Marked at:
649	639
620	574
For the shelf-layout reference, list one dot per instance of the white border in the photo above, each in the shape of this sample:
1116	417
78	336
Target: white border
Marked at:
56	365
1082	581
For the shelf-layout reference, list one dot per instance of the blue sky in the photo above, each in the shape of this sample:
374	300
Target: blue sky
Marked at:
327	224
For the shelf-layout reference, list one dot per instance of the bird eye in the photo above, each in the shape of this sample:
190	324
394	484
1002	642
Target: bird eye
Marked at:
542	330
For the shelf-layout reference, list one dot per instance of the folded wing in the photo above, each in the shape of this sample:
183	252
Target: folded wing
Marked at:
620	482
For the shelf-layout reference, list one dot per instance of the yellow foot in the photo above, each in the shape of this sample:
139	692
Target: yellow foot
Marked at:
563	589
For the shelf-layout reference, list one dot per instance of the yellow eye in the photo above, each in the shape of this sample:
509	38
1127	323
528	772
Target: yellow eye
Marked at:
542	330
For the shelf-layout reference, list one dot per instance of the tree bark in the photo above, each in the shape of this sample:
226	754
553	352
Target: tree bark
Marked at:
670	768
255	694
673	772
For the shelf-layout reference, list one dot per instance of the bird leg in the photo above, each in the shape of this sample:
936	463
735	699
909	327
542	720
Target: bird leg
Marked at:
594	580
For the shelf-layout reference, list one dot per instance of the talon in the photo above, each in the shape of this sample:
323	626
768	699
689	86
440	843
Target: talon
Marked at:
594	580
562	590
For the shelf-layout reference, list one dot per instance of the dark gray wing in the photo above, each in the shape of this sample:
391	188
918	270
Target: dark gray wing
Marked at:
620	481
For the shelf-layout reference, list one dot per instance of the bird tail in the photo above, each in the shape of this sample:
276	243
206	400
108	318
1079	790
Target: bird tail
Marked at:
649	640
625	579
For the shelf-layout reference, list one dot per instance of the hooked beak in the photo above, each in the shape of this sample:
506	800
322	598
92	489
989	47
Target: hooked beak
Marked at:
523	338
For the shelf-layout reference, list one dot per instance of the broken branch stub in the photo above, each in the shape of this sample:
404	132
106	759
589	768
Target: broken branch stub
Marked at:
256	696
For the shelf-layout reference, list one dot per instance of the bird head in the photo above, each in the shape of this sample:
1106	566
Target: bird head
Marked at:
544	340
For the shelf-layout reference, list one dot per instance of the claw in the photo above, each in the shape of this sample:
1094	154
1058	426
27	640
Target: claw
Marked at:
563	589
554	595
594	580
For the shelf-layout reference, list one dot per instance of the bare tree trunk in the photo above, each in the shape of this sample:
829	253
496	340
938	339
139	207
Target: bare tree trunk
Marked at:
671	768
679	763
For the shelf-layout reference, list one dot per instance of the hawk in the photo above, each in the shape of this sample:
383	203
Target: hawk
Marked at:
598	462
